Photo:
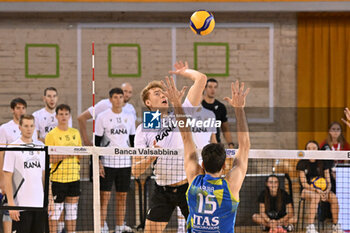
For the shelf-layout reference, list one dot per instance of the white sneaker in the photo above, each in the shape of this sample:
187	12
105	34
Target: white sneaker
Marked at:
122	229
336	228
311	229
60	227
105	229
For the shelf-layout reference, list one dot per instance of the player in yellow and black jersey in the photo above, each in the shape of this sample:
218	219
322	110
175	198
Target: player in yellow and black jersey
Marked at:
65	171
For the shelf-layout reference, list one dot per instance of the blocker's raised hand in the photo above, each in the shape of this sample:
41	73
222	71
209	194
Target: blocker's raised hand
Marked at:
180	68
238	95
347	114
172	93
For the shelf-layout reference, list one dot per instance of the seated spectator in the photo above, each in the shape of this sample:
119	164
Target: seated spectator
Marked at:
276	208
335	141
309	169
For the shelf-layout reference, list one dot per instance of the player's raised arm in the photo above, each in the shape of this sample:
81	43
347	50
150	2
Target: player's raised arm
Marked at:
192	168
195	93
347	114
238	172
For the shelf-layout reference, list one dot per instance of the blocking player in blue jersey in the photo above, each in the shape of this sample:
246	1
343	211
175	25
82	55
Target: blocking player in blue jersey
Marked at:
213	199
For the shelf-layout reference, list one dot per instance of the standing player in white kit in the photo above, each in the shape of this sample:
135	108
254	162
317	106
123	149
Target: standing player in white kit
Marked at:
9	132
45	118
114	128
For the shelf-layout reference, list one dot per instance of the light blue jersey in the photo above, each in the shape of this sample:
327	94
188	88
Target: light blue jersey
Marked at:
212	206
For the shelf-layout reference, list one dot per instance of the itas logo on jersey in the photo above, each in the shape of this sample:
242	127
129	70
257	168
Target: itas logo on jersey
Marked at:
206	222
151	120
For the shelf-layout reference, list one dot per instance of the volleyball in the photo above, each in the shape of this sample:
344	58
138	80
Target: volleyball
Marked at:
319	183
202	22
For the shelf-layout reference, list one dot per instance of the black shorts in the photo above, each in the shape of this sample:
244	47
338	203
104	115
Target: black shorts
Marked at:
164	200
119	176
62	190
30	222
275	215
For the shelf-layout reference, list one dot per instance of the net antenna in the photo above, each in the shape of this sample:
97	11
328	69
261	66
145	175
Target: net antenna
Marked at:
93	92
95	155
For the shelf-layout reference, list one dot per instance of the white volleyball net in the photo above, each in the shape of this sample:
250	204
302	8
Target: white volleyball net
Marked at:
123	197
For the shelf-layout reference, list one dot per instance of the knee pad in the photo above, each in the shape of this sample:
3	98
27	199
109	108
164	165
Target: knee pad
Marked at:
71	211
58	211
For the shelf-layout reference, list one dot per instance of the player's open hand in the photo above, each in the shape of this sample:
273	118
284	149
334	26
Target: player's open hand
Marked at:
347	114
172	93
238	95
14	214
180	68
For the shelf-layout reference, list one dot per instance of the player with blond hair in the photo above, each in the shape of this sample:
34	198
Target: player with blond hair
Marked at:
171	182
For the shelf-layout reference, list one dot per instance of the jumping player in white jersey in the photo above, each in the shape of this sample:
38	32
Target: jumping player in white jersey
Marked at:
213	200
45	118
101	106
114	128
30	165
9	132
171	183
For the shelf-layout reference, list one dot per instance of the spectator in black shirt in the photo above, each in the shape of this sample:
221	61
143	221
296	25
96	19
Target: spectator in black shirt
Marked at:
219	109
275	207
309	169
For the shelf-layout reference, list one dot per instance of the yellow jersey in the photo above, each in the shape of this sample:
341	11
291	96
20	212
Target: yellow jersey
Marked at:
68	169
